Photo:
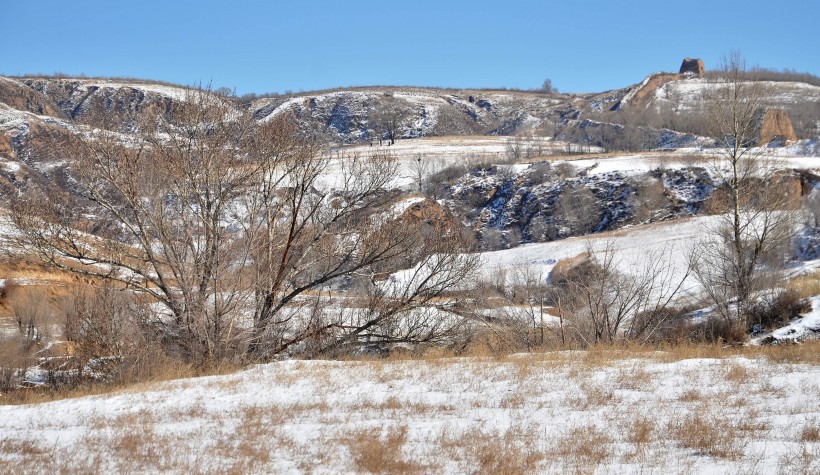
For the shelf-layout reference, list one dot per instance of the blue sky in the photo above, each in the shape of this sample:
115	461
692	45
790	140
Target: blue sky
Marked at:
271	46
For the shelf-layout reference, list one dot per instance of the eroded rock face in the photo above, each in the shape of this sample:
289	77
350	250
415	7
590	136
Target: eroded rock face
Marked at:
6	150
432	214
692	66
108	104
21	97
776	126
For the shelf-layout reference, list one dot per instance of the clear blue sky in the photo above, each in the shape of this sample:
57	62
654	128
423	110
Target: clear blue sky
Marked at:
272	46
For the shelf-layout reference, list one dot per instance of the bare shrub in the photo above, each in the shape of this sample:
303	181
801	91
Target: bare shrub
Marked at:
34	313
773	312
104	322
714	330
649	201
578	210
438	181
708	434
565	170
13	361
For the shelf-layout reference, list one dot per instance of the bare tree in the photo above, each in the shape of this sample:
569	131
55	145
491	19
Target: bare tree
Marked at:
420	169
755	222
528	316
238	230
153	214
605	305
547	87
577	210
387	117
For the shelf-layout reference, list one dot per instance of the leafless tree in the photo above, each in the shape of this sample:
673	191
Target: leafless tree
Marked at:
420	169
755	222
238	230
387	116
154	213
603	304
577	210
529	315
547	87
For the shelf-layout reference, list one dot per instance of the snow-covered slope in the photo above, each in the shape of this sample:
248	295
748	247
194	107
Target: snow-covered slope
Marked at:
345	115
687	94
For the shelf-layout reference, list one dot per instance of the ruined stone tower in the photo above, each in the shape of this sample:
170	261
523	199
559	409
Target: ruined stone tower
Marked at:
693	66
776	125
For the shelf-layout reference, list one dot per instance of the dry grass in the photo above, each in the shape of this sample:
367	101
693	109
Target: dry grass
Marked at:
592	396
635	378
736	373
509	451
807	285
374	452
155	368
583	449
810	432
21	447
690	395
641	432
708	434
510	414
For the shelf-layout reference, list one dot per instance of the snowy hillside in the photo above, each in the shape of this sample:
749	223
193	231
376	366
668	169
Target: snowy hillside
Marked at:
345	115
687	95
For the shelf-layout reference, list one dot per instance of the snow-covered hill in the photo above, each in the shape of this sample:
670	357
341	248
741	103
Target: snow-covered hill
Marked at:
688	94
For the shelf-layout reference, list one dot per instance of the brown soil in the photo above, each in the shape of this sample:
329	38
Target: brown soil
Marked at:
647	91
6	150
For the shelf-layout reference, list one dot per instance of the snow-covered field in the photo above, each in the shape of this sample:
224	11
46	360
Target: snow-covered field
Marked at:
567	412
466	149
787	157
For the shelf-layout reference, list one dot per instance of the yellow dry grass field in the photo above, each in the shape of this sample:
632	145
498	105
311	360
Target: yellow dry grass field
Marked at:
608	410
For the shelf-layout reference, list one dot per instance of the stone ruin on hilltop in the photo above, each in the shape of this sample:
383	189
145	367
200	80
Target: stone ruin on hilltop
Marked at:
693	67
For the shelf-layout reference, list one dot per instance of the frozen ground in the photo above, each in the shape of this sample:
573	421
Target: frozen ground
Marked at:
568	412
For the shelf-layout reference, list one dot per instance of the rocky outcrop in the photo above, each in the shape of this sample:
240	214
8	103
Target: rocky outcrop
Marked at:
23	98
641	95
345	116
777	127
114	105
